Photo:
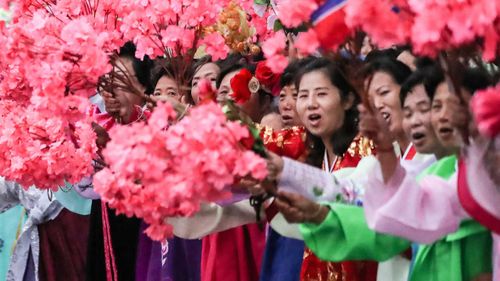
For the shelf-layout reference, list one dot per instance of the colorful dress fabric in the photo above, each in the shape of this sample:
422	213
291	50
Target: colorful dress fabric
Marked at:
344	235
282	258
233	254
315	269
181	259
462	255
63	247
24	264
237	253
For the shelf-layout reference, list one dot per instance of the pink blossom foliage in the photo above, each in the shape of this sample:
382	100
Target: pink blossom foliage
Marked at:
386	22
441	25
55	51
274	50
293	13
485	106
215	46
307	42
157	172
38	149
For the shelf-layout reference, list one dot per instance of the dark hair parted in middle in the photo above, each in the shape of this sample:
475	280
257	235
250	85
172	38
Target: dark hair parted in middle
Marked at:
396	69
344	136
293	68
430	76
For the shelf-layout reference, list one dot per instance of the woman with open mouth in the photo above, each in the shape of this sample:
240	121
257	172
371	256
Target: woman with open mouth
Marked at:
326	105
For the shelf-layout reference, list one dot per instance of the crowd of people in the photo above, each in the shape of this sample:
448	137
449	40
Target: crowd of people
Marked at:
380	174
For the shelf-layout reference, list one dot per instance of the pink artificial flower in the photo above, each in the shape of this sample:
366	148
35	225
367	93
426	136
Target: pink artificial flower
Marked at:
174	36
441	25
206	91
164	113
491	39
307	42
277	63
275	44
386	22
485	106
155	173
293	13
215	46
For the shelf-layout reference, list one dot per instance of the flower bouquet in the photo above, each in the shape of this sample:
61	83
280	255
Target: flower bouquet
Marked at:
158	170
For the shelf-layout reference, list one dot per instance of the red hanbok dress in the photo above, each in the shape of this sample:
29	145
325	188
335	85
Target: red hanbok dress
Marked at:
314	269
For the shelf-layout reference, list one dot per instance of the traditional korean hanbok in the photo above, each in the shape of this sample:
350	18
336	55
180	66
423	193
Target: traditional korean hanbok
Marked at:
283	255
404	207
24	264
346	184
314	268
479	195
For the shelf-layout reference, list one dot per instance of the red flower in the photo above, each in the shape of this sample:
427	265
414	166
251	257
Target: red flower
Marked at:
485	106
267	78
240	86
248	141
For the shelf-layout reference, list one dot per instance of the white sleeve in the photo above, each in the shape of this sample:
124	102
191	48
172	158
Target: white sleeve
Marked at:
284	228
321	186
213	218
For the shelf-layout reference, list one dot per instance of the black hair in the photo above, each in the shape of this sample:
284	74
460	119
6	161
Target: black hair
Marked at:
379	54
472	79
475	79
232	63
161	69
429	75
204	60
398	70
142	68
288	76
342	138
231	68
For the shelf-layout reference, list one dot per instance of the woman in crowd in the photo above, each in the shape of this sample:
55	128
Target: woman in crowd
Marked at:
326	104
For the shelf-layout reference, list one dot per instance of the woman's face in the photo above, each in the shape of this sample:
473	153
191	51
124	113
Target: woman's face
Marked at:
384	92
287	106
126	97
207	71
417	121
252	107
441	117
319	105
167	86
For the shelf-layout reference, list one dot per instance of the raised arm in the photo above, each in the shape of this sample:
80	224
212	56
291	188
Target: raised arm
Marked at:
422	211
319	185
